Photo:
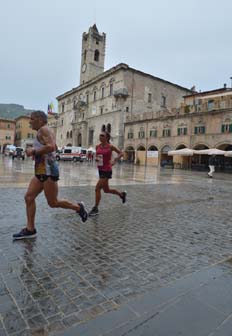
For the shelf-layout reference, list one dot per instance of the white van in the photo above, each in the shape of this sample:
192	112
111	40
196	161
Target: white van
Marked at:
69	154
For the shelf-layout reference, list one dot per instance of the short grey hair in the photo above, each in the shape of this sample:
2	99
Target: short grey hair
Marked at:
40	115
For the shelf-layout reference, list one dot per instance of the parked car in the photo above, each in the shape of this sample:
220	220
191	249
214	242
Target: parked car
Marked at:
9	150
19	153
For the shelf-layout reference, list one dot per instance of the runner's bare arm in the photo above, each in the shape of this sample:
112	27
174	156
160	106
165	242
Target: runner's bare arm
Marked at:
118	151
46	137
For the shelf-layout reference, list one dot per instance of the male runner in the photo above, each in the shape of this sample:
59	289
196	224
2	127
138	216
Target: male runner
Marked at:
46	176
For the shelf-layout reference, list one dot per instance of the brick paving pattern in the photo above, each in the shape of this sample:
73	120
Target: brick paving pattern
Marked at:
76	271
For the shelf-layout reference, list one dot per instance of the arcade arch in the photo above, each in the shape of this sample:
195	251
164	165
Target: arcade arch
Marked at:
130	154
181	146
200	161
141	155
164	157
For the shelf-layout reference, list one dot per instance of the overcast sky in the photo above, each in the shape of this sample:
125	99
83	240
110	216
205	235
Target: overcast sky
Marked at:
187	42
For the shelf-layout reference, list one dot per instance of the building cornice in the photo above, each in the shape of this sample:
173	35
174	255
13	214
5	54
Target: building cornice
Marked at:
7	120
94	80
178	116
22	117
211	93
111	71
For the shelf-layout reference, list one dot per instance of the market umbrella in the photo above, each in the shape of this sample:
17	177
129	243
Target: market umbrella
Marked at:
182	152
91	149
210	151
228	153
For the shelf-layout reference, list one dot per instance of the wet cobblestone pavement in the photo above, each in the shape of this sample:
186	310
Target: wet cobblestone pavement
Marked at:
74	272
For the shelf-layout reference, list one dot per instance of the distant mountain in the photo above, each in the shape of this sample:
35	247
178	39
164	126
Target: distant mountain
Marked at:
12	111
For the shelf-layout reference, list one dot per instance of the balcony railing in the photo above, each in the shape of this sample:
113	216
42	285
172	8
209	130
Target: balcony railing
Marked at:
123	92
205	107
79	104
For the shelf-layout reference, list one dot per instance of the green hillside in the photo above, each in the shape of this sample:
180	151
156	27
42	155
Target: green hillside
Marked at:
12	111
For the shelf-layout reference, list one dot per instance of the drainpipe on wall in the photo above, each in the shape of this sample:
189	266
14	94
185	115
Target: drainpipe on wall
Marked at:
131	113
146	144
132	94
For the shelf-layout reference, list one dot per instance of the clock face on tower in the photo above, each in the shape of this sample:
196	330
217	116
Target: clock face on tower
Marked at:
84	66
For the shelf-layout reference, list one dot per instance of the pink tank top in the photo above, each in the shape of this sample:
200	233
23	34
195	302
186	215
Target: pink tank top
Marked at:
105	153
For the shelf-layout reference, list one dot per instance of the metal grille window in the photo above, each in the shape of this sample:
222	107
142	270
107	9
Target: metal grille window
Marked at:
166	132
227	128
141	134
199	130
153	133
102	92
130	135
111	89
210	104
163	101
182	130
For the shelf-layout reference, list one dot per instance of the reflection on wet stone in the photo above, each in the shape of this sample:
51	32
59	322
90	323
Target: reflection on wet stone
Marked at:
71	320
69	308
38	292
56	326
6	303
75	272
31	311
48	307
2	332
37	322
59	296
13	321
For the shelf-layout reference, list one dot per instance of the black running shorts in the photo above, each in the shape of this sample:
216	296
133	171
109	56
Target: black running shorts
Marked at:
43	178
105	174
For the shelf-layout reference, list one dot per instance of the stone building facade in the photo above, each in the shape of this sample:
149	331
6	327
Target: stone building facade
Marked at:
7	133
110	98
24	134
203	120
52	121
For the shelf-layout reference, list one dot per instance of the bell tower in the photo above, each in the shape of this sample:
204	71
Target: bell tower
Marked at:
92	54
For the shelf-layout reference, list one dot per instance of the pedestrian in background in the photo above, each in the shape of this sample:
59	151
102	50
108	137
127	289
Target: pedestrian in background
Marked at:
212	164
46	176
105	162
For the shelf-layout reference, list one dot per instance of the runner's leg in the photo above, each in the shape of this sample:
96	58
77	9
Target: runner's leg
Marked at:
34	189
98	192
107	190
51	193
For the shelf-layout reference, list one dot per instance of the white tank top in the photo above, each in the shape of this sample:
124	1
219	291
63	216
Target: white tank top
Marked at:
45	164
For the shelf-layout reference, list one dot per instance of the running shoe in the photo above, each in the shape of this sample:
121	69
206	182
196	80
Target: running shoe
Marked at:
82	212
24	234
94	211
123	197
